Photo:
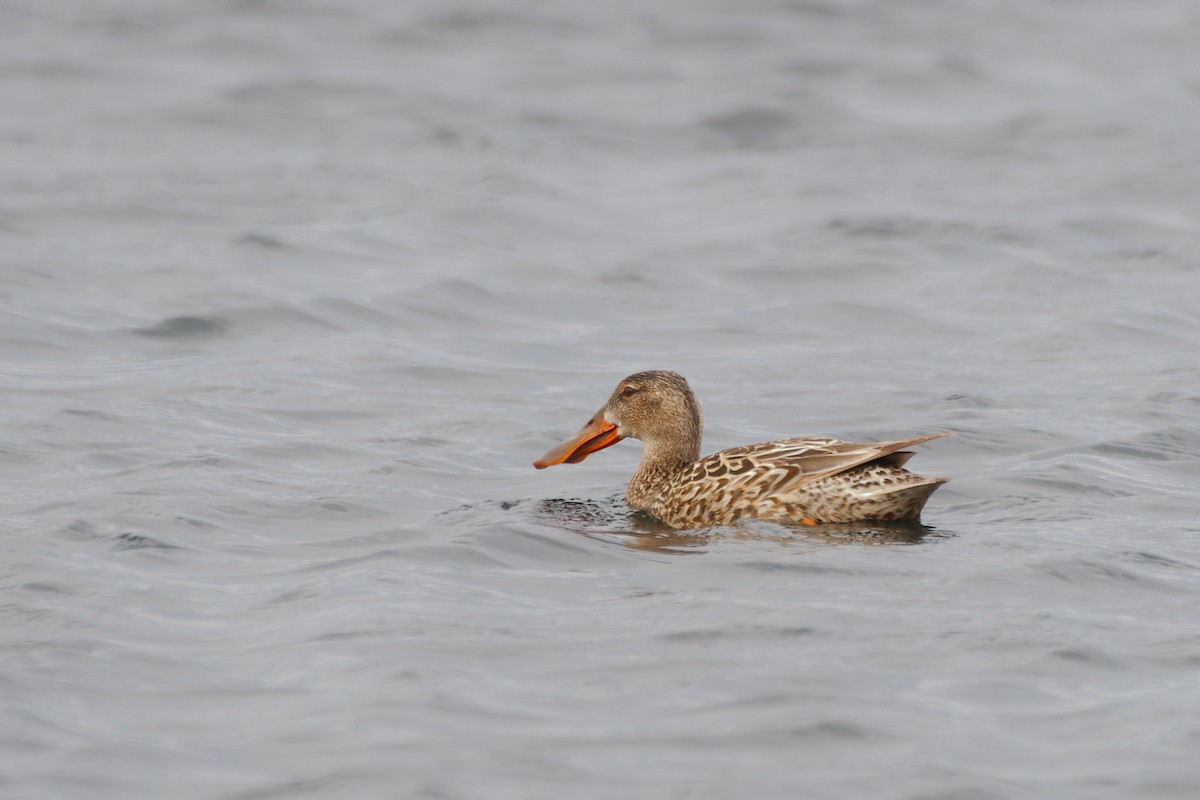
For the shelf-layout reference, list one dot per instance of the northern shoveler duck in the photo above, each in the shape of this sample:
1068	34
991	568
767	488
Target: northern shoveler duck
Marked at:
808	481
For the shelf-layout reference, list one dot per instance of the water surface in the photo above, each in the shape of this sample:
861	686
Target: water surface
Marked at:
291	295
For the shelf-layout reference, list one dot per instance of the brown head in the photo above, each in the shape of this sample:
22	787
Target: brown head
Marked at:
657	407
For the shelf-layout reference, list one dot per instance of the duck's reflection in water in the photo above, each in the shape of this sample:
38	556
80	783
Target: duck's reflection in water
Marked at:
613	521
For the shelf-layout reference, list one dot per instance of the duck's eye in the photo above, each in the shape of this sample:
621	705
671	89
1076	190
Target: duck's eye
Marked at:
628	391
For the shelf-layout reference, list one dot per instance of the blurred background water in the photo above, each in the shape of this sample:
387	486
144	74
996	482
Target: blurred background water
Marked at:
292	293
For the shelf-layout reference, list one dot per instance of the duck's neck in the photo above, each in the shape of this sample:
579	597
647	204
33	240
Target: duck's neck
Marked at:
663	459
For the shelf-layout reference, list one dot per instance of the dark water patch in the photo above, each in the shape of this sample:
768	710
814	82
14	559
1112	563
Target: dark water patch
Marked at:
877	227
887	228
137	541
41	587
1161	561
969	401
1130	451
1166	571
831	731
341	783
186	327
91	413
294	596
1090	657
475	21
1174	398
262	241
751	633
751	127
193	522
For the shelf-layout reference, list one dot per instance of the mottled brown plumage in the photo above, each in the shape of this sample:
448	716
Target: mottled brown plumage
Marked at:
790	480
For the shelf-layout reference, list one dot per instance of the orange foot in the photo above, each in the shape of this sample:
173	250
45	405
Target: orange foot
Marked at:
809	521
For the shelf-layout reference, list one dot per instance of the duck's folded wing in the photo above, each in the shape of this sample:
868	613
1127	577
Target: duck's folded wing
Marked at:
776	467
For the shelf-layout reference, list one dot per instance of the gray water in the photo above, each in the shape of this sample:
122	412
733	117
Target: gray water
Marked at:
292	293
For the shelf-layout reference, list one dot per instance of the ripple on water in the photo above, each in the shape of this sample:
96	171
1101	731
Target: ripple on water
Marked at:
1093	574
1175	443
185	327
747	634
1093	657
137	541
1156	560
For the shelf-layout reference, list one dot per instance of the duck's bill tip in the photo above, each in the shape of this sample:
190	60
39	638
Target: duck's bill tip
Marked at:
596	435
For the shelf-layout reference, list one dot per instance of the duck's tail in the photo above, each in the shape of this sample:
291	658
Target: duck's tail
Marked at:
902	502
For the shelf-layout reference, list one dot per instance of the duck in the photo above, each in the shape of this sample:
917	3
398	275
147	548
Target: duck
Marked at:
810	480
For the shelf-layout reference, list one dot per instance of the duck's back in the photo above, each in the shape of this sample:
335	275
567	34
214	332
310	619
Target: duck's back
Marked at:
798	480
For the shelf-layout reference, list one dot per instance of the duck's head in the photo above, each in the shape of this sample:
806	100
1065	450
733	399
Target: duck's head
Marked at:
657	407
